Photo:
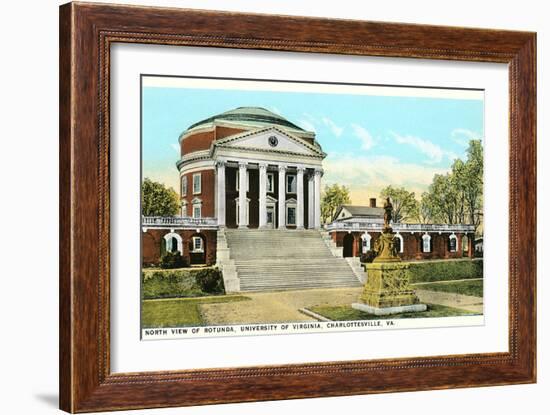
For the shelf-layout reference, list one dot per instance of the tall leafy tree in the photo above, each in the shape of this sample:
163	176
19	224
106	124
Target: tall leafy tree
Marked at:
457	197
157	199
333	196
473	182
405	205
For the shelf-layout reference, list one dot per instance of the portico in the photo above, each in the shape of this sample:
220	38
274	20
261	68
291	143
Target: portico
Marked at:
267	178
281	194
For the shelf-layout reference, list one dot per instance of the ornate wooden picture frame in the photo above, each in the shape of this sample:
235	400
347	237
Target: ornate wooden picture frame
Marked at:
87	32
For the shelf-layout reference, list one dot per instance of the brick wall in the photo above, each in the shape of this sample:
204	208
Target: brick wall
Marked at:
207	194
152	245
412	245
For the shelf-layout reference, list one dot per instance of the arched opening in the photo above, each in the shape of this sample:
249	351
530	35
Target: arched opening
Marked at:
348	245
172	243
426	243
465	244
398	241
197	249
453	242
365	243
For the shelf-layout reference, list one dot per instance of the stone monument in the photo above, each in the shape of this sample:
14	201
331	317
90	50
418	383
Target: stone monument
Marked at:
387	289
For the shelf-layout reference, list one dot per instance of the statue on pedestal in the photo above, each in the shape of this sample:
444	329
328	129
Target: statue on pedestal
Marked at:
386	251
387	289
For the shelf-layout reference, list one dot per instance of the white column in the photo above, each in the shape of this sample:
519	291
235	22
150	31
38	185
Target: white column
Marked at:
263	195
282	197
310	202
300	198
317	198
242	195
220	192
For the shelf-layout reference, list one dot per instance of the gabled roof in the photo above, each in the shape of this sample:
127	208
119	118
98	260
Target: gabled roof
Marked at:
245	137
360	211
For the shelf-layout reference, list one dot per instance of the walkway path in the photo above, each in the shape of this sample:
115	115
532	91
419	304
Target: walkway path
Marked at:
276	307
283	306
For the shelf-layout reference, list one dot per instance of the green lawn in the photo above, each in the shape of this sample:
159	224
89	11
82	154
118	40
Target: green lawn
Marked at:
346	313
179	312
474	288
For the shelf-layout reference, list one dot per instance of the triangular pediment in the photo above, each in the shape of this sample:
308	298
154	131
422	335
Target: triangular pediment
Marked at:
271	140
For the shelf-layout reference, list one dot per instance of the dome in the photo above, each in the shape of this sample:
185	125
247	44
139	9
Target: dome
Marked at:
250	116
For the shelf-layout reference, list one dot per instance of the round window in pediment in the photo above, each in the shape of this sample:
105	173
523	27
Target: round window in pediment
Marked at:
273	141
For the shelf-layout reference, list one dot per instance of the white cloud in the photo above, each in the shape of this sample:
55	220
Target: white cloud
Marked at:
463	136
334	128
275	110
434	152
367	176
176	147
367	142
307	125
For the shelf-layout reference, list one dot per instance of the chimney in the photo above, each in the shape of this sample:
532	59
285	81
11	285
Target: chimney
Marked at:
372	202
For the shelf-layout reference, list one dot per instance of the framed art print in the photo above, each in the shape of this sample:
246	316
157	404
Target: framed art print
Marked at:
261	207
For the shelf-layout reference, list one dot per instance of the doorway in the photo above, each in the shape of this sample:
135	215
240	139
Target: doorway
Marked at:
270	217
348	245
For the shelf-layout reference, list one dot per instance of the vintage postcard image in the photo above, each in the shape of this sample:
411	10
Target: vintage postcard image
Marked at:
273	207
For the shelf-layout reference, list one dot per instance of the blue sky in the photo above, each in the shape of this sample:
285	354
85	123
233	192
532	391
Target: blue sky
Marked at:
371	141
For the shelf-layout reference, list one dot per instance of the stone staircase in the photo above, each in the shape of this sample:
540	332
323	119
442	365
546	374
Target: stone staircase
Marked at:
285	260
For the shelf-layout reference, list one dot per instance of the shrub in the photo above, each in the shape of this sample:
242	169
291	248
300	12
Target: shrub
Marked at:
172	260
445	270
210	280
181	283
169	284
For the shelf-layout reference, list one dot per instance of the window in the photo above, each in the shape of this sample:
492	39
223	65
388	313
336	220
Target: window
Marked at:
197	211
198	245
365	243
196	183
291	183
452	243
291	215
426	243
237	180
183	209
184	186
270	182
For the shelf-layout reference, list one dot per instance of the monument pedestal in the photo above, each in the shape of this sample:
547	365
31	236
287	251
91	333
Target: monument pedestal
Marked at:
388	290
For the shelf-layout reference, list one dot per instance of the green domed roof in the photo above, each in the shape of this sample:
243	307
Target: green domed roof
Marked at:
255	116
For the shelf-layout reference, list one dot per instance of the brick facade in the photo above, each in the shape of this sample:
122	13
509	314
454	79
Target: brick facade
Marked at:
412	245
207	194
153	246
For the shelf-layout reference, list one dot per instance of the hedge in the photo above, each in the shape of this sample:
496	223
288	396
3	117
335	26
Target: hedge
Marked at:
181	283
445	270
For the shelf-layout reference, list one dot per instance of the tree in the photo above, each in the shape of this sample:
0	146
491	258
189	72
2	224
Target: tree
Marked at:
157	199
473	182
405	205
426	212
457	197
332	197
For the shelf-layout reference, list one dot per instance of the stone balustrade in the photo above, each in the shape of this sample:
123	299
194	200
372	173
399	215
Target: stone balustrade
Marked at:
178	222
362	226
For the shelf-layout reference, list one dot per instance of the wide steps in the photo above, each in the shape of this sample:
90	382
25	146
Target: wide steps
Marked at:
286	260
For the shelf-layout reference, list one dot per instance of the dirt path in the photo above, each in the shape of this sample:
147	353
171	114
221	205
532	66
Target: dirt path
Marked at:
283	306
276	307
